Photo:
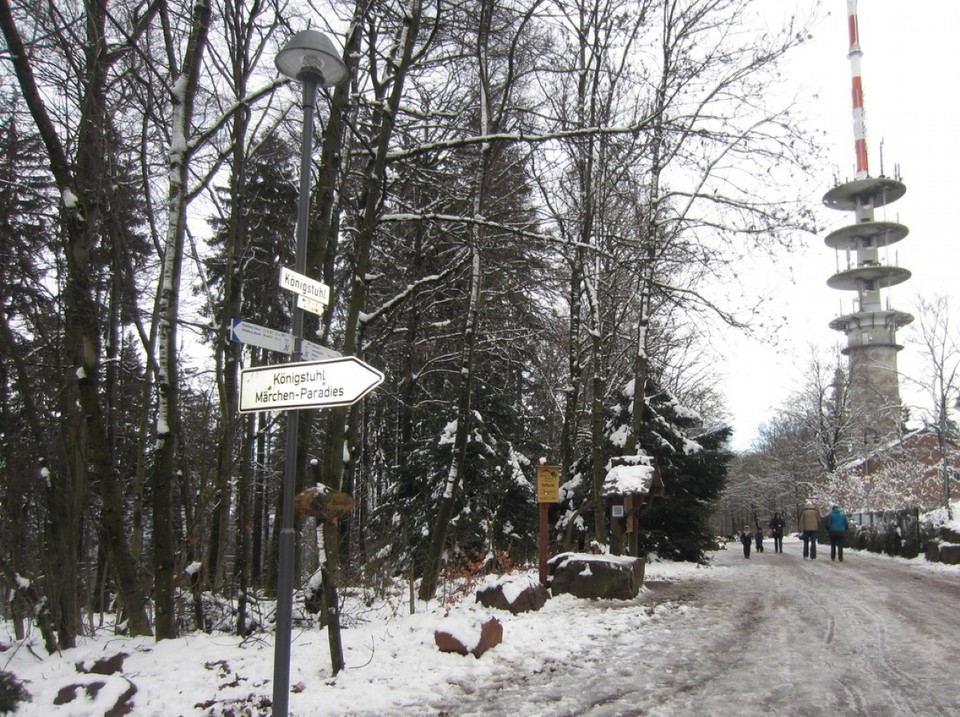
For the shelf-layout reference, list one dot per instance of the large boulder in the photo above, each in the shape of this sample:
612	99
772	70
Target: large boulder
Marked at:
597	576
949	535
945	548
950	553
469	637
516	593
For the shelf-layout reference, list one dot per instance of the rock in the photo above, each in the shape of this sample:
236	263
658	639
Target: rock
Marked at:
597	576
105	665
949	535
520	594
88	697
933	552
474	639
950	553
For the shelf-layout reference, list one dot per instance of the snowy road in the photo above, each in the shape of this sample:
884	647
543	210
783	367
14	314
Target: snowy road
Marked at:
774	634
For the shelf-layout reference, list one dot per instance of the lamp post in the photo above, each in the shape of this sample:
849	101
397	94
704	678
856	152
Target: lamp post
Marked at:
310	58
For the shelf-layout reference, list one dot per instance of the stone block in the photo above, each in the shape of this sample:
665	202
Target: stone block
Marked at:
516	595
474	639
950	553
597	576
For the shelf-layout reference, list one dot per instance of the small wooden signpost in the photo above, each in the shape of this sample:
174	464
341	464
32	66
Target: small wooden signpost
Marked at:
548	491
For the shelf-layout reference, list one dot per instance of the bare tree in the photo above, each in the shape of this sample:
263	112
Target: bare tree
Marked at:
76	163
940	342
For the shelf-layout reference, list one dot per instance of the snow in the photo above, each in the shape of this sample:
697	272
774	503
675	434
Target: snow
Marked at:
510	585
627	480
449	434
70	199
556	661
392	661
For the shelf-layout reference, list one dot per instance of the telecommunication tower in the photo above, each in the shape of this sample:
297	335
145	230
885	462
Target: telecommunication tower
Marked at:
871	328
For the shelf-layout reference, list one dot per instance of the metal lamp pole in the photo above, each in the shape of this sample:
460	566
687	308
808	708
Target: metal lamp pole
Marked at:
310	58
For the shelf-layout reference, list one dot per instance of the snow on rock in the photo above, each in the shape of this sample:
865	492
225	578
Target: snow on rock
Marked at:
468	635
515	592
585	575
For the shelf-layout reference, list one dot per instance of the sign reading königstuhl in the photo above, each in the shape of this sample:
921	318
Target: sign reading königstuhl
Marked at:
304	286
548	484
311	384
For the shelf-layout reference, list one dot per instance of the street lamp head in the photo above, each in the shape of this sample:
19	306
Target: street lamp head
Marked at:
311	53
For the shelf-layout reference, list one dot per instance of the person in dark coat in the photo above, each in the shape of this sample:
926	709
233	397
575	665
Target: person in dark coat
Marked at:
758	534
776	531
836	527
746	537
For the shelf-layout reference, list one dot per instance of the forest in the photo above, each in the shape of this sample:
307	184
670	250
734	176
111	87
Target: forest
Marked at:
527	213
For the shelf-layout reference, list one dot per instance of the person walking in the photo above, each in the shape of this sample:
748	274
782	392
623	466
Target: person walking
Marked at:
808	524
836	527
776	532
759	536
746	537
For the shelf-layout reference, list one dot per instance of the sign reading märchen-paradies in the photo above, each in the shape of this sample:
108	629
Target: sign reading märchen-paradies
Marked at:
311	384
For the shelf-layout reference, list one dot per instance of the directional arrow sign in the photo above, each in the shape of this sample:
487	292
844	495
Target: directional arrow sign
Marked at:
311	305
248	333
270	339
312	384
310	351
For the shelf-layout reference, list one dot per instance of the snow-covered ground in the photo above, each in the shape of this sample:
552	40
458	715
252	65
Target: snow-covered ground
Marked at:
774	634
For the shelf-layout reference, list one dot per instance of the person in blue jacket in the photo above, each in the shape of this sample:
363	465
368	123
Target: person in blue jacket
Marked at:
836	527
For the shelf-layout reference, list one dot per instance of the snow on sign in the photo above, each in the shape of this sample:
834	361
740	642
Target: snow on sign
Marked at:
311	384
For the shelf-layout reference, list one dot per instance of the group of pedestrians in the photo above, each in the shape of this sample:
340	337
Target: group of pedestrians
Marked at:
808	523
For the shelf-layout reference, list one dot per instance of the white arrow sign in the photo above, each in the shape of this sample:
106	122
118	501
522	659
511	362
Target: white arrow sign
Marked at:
249	333
311	305
310	351
314	384
304	285
270	339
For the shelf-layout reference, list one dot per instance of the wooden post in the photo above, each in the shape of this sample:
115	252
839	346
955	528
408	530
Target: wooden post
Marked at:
548	491
544	541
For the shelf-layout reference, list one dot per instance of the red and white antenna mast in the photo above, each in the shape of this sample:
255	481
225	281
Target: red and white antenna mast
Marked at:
871	327
859	125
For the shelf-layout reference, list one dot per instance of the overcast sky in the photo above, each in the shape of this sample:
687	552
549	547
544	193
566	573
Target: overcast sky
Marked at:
908	67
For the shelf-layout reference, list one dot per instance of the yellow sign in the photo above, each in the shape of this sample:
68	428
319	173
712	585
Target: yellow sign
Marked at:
548	484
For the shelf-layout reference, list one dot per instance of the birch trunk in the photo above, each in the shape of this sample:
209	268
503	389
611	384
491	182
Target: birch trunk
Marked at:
168	420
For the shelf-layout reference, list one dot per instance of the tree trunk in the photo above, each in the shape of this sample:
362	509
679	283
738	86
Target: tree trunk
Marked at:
164	560
85	189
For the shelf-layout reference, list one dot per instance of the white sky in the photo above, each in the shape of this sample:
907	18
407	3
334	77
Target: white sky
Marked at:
910	98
